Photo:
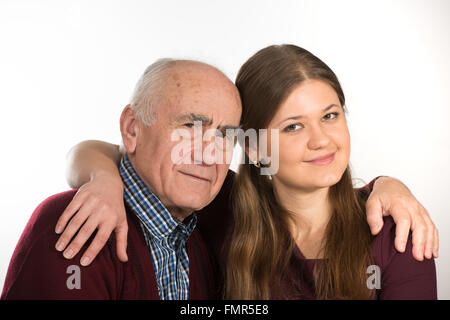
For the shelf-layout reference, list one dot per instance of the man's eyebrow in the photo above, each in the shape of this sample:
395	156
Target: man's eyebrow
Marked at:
191	117
206	121
299	117
228	127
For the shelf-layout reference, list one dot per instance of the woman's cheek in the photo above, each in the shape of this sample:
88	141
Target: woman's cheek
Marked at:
291	158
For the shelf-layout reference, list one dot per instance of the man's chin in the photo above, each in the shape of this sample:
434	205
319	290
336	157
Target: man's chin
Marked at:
194	204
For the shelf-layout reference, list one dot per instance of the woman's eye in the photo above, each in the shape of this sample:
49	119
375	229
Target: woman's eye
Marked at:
331	116
293	127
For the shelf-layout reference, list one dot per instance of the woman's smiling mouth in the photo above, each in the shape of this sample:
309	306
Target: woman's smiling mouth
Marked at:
322	160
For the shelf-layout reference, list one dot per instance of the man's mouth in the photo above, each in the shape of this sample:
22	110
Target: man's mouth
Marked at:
196	177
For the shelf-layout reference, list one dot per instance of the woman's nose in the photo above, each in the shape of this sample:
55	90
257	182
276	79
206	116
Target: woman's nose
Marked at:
318	138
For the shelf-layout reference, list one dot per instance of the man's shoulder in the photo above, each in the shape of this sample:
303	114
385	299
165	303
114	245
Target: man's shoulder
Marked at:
47	213
38	271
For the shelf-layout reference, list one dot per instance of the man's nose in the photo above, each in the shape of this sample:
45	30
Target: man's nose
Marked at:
204	152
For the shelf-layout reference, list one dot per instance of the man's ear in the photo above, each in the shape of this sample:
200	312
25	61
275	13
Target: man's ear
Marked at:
129	128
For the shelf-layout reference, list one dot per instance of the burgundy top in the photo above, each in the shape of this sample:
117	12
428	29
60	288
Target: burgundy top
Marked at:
38	271
402	277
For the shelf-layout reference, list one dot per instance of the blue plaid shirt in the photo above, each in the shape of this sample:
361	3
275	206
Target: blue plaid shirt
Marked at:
165	236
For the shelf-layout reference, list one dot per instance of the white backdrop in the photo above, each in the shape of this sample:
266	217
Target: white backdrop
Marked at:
67	68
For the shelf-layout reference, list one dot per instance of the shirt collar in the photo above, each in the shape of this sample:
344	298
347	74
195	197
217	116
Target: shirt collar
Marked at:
148	208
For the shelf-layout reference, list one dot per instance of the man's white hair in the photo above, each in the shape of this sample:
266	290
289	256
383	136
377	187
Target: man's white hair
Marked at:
149	91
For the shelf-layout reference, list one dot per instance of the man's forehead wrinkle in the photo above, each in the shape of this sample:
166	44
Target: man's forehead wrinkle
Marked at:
186	70
191	84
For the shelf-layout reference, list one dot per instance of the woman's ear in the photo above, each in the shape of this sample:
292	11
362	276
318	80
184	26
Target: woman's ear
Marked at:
129	128
252	154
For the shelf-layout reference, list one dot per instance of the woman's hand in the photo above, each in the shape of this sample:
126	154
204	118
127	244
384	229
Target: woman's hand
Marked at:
391	197
99	205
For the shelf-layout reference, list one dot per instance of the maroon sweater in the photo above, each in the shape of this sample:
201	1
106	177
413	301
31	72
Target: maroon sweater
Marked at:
38	271
402	277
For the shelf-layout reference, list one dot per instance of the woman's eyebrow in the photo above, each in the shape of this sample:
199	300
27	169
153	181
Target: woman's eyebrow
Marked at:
329	107
300	116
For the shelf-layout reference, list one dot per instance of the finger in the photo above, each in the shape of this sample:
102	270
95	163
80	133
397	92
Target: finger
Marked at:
97	244
434	246
67	214
402	228
74	225
436	243
80	239
430	235
419	237
121	242
374	215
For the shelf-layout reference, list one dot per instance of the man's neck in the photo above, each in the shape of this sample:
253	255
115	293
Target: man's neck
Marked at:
179	214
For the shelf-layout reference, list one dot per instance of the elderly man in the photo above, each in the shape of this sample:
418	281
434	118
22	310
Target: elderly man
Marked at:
167	258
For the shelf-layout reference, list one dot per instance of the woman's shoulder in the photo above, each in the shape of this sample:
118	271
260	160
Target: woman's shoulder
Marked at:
402	276
383	245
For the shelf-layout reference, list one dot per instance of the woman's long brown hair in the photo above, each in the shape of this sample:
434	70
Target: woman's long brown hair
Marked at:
261	245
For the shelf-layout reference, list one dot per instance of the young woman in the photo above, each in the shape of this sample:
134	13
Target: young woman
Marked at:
302	232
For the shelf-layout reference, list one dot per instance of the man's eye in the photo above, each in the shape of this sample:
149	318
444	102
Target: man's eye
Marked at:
229	138
189	125
331	116
293	127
